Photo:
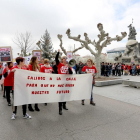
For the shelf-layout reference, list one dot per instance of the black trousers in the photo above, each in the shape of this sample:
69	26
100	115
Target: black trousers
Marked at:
61	104
116	72
113	72
24	108
119	72
106	73
8	89
130	72
122	71
102	72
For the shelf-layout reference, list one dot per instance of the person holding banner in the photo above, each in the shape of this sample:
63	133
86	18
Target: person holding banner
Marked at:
46	68
62	69
20	64
90	68
8	82
33	66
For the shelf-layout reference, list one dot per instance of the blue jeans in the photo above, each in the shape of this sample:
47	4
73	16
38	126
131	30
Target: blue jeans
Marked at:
133	72
92	94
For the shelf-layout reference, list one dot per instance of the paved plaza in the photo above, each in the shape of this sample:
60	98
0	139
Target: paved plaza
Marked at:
115	117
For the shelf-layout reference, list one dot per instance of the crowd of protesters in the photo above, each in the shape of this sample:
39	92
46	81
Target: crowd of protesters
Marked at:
57	67
118	69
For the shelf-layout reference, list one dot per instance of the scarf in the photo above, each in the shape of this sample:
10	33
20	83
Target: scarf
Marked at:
47	66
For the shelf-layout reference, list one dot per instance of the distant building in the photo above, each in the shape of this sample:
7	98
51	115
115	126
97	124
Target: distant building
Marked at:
111	54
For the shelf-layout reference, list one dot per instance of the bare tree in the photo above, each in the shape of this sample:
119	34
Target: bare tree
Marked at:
24	42
63	49
103	41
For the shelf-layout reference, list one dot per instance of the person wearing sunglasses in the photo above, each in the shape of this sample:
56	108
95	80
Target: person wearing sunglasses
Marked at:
62	69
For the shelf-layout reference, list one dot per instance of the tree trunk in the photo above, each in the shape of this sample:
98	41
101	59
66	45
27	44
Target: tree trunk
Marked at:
98	64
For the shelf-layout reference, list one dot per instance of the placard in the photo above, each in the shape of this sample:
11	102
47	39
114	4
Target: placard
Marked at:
69	56
38	54
6	54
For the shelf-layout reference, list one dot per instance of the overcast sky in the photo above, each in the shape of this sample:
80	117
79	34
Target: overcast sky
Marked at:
57	16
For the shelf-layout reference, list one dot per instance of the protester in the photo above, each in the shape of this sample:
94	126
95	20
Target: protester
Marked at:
20	64
33	66
46	68
8	82
62	69
90	69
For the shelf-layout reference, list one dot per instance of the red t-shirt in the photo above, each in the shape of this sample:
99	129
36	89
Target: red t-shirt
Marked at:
41	65
46	69
125	67
7	81
11	74
31	68
62	69
91	69
122	67
130	67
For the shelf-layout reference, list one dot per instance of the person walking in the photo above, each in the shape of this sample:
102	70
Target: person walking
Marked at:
90	68
8	82
63	68
20	64
33	66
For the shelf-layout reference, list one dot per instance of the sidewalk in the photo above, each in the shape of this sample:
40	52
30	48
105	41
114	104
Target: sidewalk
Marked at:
121	92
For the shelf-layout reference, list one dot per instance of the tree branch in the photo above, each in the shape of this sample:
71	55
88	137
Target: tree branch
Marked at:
61	43
38	44
84	43
117	38
74	38
75	50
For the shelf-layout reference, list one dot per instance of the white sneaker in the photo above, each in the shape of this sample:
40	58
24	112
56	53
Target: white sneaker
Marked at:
13	116
27	116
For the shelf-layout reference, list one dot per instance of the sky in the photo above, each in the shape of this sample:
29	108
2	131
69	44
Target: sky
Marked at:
35	16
